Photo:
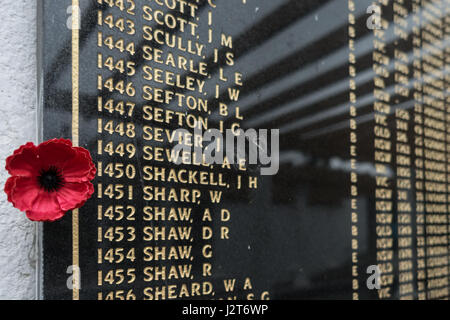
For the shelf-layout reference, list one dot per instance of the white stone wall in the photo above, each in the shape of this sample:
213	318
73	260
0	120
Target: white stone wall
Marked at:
17	126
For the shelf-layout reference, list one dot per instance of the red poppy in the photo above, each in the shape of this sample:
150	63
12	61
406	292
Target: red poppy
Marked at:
50	179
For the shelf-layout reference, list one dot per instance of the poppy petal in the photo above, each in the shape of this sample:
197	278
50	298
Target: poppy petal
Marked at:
24	193
64	141
9	186
45	216
25	146
24	162
55	152
74	195
93	171
45	207
80	168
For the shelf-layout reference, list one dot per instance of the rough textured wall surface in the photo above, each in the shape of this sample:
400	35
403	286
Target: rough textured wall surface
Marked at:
17	126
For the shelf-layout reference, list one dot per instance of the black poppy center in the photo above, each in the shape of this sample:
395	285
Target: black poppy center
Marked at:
51	179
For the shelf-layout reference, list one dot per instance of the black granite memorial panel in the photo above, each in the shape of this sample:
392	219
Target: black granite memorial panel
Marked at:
360	101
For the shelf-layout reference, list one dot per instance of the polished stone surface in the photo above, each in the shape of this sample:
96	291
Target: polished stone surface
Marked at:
292	236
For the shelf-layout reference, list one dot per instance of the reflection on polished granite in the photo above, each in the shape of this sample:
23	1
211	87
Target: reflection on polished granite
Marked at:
299	235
